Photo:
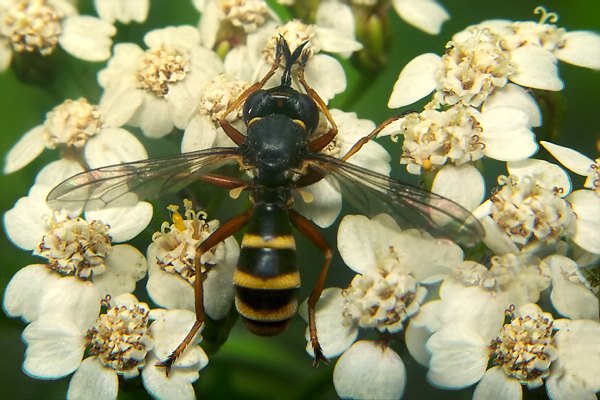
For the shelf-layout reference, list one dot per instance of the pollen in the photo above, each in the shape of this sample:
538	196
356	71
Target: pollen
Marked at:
384	298
31	25
247	14
434	138
120	339
72	123
177	242
160	68
526	211
218	94
76	247
524	349
472	69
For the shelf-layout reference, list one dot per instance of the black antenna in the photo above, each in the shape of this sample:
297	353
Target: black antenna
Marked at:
290	59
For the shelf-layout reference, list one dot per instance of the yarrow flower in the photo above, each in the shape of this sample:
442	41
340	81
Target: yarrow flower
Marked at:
41	25
123	11
78	128
391	265
482	59
171	264
159	88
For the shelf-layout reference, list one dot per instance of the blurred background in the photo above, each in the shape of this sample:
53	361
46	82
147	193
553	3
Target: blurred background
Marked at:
250	367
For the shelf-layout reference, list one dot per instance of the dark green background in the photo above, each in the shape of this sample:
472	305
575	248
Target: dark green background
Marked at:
247	366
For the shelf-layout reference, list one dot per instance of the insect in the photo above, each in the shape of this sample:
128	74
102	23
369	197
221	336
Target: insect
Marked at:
281	156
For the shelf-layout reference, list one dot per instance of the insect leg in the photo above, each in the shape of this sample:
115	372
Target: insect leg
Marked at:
223	232
311	232
232	132
322	141
361	142
224	181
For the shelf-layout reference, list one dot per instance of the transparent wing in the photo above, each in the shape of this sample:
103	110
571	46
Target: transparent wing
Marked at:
125	184
372	193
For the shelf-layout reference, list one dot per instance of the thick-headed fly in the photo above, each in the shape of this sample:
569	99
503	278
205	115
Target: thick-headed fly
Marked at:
280	156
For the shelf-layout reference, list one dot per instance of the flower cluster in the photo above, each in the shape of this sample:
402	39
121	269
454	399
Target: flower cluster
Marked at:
491	288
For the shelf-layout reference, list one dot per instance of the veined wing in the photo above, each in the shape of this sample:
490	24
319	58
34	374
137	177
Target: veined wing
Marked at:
373	193
125	184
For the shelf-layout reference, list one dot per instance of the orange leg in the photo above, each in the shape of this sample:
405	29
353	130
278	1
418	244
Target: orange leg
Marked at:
310	230
223	232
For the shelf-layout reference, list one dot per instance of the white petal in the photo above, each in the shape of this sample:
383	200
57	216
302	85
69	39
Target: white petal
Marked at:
93	381
459	357
464	184
334	41
515	96
571	299
578	344
561	387
336	15
369	371
586	205
547	174
113	146
536	68
153	117
24	223
427	15
209	24
119	102
56	172
185	36
358	240
54	348
125	266
177	386
71	298
581	48
506	134
87	37
496	385
495	238
122	11
572	159
326	76
415	81
334	337
183	99
25	150
21	296
125	222
326	202
218	287
200	134
5	54
416	338
168	330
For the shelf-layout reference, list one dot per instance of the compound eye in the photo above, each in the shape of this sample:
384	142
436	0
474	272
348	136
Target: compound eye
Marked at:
307	111
258	104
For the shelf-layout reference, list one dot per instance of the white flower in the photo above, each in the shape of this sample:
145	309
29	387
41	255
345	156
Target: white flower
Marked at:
427	15
171	264
462	134
77	126
324	197
385	293
483	58
78	252
222	20
123	11
529	212
578	163
158	88
41	25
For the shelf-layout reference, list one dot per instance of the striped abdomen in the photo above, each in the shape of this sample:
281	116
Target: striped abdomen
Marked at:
267	278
